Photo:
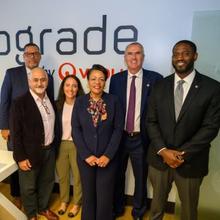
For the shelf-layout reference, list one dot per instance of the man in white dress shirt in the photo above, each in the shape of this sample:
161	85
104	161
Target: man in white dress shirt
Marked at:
133	87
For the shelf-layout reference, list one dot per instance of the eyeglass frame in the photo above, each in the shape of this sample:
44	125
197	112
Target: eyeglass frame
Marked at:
33	54
44	104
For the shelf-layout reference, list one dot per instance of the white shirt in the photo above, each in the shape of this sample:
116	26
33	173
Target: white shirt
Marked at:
66	121
138	85
28	71
48	116
186	85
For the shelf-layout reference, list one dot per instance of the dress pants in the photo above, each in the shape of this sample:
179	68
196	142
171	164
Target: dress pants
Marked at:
37	184
66	162
188	190
97	190
132	147
14	184
14	178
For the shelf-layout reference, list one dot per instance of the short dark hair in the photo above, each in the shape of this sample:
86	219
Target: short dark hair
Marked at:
99	68
31	45
61	96
190	43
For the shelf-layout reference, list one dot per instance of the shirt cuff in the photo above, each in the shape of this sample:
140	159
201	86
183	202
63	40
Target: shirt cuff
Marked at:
158	152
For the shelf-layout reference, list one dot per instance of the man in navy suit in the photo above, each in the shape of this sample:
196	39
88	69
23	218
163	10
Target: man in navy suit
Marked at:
16	84
134	142
183	118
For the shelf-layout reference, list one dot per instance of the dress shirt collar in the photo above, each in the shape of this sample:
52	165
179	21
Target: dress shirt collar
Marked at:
138	74
28	70
37	98
188	79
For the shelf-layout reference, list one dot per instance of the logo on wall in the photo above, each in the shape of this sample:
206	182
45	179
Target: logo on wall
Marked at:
67	43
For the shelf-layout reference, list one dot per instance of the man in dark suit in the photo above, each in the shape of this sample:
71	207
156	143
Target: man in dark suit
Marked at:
15	84
183	118
32	125
134	142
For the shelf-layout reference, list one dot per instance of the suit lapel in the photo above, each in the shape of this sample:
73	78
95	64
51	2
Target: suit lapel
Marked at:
146	85
34	110
23	78
124	89
170	95
88	115
196	84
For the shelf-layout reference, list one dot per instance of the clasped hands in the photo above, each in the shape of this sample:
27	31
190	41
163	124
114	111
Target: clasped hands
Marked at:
172	158
100	162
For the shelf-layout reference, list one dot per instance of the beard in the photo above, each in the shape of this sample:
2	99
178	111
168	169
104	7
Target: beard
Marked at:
185	69
40	90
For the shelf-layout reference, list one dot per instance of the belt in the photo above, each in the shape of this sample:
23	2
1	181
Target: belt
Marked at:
132	134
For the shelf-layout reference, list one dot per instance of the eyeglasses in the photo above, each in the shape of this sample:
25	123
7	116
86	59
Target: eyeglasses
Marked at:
41	80
44	104
34	54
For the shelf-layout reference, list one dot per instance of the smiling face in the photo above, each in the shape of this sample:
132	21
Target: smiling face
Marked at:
70	88
96	83
134	58
183	59
38	81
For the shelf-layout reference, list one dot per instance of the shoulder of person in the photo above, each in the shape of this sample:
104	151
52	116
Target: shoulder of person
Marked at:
152	74
119	74
208	80
15	69
81	99
25	98
110	98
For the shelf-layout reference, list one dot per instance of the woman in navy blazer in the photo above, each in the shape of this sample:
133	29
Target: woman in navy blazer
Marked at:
97	127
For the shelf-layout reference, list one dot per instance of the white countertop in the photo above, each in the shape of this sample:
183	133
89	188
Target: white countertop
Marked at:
7	164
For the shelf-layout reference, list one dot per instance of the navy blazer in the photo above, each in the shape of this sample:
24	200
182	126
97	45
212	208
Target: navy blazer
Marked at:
27	130
16	84
118	87
103	139
197	125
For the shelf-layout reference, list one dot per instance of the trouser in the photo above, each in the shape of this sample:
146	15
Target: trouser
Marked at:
188	190
14	184
98	189
37	184
66	162
14	177
132	148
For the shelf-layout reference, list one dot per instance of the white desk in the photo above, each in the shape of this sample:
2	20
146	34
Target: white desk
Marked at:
7	164
7	167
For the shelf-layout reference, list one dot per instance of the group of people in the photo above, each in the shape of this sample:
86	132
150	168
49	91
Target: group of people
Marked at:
165	126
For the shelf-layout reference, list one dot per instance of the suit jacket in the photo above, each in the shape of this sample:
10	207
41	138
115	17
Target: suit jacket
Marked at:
103	139
16	84
118	87
27	130
197	125
59	129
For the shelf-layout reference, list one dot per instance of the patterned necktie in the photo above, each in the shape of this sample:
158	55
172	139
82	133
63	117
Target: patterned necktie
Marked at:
131	107
178	97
